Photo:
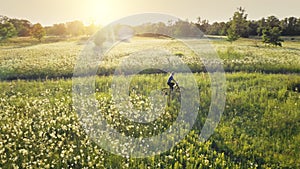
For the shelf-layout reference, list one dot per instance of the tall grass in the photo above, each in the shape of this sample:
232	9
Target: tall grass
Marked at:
55	60
258	129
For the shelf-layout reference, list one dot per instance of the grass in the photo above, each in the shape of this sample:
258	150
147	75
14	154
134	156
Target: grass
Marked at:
252	56
39	61
40	127
52	60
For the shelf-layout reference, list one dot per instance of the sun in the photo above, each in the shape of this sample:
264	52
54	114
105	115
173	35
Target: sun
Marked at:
102	11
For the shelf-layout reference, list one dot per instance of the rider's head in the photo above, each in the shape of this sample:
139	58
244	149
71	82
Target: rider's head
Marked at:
172	73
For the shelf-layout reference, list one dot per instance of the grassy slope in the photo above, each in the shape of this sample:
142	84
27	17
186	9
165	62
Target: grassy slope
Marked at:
260	125
57	59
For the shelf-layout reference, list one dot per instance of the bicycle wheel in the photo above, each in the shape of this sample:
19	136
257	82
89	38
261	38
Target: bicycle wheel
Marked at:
165	91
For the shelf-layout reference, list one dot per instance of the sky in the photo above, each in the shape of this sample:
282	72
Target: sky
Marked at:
49	12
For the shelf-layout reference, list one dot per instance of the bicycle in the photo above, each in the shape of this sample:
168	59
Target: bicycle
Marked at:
176	89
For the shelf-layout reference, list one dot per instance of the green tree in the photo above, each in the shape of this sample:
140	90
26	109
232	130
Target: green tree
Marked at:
7	30
232	35
297	29
38	31
253	26
160	28
3	19
239	23
271	30
22	26
261	26
289	26
224	26
272	36
58	29
185	29
91	29
203	25
181	28
75	28
272	21
217	29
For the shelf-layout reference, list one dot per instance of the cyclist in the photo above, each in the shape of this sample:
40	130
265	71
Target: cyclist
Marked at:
170	79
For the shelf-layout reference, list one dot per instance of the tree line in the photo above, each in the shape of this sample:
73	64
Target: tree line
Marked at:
289	26
12	27
269	29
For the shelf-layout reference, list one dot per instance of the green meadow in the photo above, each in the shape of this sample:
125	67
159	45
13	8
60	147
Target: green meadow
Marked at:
259	128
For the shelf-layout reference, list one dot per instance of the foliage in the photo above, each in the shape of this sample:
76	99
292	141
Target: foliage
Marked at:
185	29
38	31
57	30
203	25
7	30
232	35
75	28
239	24
272	36
271	31
290	26
180	29
217	29
253	27
22	26
91	29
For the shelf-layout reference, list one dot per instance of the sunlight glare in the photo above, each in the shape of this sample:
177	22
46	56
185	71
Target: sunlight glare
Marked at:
102	11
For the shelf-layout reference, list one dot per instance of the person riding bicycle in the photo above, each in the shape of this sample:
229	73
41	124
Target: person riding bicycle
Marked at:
170	83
